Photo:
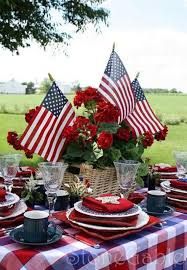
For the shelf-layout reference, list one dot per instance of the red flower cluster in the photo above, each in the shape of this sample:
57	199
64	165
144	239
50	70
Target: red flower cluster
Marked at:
106	112
29	115
81	129
125	133
83	97
105	140
13	139
147	139
161	135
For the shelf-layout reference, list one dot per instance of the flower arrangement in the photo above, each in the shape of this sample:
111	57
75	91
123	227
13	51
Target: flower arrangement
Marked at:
97	137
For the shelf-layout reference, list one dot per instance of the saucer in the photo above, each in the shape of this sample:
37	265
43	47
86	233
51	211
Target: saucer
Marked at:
168	211
17	236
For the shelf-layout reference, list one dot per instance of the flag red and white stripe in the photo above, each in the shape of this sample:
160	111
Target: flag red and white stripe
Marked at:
115	86
142	118
44	134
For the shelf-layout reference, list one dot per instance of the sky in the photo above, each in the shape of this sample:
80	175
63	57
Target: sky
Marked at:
150	37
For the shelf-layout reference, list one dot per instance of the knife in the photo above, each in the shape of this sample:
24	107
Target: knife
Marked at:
81	238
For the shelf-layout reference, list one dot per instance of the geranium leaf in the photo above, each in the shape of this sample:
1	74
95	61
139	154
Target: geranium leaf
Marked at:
108	127
115	154
74	150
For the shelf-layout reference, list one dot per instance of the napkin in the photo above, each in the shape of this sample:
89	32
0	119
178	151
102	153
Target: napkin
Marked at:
110	222
181	196
178	184
168	169
25	171
2	195
108	235
11	222
180	205
136	197
108	207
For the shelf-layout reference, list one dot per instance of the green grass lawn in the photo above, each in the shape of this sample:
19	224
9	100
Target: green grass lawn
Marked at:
167	105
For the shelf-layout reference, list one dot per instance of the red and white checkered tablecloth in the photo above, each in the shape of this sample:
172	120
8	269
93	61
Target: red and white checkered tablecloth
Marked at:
151	249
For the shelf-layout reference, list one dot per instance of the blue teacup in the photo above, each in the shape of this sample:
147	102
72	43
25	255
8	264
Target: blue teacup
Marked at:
156	201
37	228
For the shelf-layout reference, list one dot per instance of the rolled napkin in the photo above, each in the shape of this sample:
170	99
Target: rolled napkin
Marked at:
2	195
178	184
110	222
107	203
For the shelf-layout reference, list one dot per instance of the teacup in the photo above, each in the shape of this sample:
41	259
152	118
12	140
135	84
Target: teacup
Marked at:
156	201
37	228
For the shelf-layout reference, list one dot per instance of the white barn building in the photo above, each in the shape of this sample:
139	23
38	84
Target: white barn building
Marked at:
12	87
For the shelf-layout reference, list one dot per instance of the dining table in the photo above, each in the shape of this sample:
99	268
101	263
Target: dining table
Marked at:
162	246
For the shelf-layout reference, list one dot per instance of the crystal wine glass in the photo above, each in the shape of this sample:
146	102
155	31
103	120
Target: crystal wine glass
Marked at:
126	171
9	167
181	163
53	174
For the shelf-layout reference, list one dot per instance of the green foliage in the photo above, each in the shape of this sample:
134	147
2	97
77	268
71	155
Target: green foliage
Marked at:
30	89
30	193
108	127
22	21
167	105
44	86
172	121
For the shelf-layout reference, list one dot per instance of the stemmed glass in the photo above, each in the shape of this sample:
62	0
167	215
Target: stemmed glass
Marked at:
126	171
181	163
53	174
9	166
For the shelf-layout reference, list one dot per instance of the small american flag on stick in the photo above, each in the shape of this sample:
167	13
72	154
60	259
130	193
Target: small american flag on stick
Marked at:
115	86
43	134
142	118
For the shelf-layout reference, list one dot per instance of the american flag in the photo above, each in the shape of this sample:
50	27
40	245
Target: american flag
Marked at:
115	86
43	134
142	119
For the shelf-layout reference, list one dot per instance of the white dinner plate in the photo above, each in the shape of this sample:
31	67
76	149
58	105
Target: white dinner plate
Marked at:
135	210
177	200
11	198
167	173
142	220
20	208
167	187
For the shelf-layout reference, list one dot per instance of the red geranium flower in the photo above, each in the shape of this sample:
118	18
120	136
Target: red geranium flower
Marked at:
106	112
148	139
30	114
83	97
105	140
123	134
161	135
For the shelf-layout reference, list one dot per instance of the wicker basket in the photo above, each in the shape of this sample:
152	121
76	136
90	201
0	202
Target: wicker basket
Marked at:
101	180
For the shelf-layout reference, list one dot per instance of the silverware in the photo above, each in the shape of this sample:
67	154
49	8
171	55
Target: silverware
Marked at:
80	238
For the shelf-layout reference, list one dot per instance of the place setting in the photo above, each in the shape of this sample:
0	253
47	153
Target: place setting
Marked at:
110	216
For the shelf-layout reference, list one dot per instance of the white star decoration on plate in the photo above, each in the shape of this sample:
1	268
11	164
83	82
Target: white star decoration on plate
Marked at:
109	199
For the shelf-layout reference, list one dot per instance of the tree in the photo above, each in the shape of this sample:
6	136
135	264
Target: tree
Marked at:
44	86
22	21
30	89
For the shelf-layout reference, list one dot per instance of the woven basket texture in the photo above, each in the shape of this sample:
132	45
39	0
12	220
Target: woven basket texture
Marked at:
101	180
